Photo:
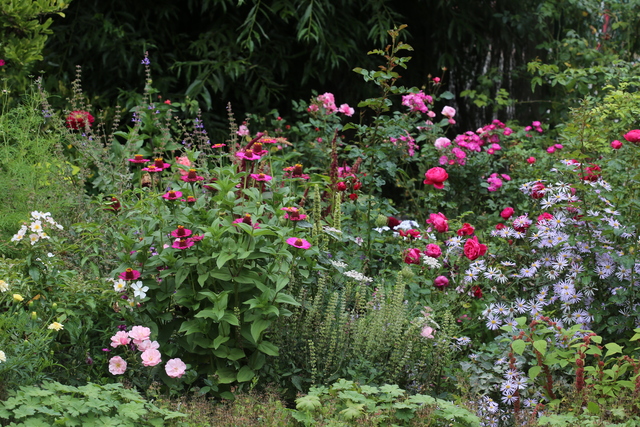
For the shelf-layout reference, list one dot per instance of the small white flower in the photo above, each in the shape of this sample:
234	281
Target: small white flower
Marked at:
338	264
139	291
3	357
357	276
4	286
120	285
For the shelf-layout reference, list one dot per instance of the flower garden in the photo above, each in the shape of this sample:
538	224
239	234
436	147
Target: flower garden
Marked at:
348	265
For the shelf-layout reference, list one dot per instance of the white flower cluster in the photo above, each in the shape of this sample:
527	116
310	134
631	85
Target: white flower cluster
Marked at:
4	286
338	264
430	262
3	357
358	276
36	227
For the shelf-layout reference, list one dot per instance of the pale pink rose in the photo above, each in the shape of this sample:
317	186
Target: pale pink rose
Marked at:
148	344
175	368
346	110
139	334
120	338
442	143
427	332
448	112
151	357
185	162
117	365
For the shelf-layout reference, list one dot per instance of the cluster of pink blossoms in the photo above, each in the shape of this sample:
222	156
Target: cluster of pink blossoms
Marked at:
140	337
487	137
327	101
495	181
409	141
417	102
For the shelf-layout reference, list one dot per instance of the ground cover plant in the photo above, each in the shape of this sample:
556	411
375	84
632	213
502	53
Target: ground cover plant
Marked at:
371	263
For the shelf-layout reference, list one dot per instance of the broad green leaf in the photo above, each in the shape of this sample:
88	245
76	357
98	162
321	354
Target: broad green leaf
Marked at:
257	327
534	371
268	348
541	346
245	374
518	346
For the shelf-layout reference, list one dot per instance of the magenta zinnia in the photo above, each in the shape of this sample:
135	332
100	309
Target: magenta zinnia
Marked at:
79	119
298	243
248	154
181	232
139	158
160	164
261	177
172	195
182	243
192	176
130	274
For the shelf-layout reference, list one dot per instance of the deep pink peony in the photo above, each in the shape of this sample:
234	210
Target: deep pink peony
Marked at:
412	256
507	213
441	282
616	145
433	250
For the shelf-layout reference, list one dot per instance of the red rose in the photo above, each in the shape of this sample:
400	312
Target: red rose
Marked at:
79	119
341	186
590	173
436	177
531	160
466	230
544	217
633	136
433	250
477	292
538	190
392	222
473	249
353	196
412	234
357	185
412	256
500	226
507	213
439	222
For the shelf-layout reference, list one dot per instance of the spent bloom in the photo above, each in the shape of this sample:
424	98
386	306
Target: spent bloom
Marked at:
56	326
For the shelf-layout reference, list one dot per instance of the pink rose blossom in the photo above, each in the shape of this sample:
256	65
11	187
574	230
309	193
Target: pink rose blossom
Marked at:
633	136
151	357
120	338
184	161
243	130
449	112
427	332
346	110
616	145
175	368
139	334
117	365
436	177
441	282
147	345
442	143
439	222
433	250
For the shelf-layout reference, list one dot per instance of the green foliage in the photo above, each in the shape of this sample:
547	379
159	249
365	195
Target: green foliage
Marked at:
24	29
32	168
347	403
53	403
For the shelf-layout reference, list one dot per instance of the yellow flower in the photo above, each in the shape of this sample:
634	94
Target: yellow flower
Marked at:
18	297
56	326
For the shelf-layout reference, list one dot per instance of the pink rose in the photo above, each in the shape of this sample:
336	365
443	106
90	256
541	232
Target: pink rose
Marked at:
436	177
448	112
120	338
507	213
439	222
633	136
139	334
175	368
147	344
473	249
346	110
531	160
616	145
441	282
442	143
433	250
117	365
412	256
185	162
151	357
427	332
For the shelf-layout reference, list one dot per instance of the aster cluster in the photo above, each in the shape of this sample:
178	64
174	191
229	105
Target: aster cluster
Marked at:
39	221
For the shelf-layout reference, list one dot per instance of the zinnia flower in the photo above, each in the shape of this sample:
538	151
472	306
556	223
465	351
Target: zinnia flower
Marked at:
130	274
138	158
79	119
191	176
298	243
182	243
248	154
261	177
160	164
181	232
172	195
295	172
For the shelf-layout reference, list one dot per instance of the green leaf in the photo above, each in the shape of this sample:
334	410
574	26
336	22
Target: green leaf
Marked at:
226	375
223	258
245	374
257	327
268	348
286	299
541	346
613	348
518	346
593	407
534	371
